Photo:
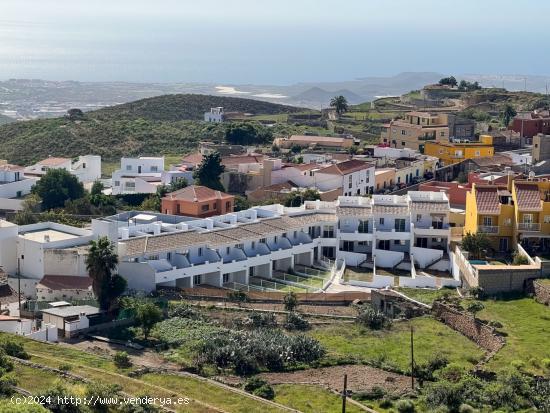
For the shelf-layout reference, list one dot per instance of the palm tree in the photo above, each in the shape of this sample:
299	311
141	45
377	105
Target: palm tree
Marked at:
100	263
340	104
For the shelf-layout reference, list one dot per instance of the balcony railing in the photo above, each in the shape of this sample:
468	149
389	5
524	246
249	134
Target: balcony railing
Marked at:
529	226
487	229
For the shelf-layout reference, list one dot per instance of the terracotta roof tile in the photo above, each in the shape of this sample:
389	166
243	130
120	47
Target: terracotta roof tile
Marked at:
53	161
528	197
487	200
346	167
196	193
65	282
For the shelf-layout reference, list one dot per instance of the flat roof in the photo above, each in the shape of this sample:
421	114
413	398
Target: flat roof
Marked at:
53	234
73	310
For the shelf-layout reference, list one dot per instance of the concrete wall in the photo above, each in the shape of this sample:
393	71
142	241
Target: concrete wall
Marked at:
139	276
541	292
65	262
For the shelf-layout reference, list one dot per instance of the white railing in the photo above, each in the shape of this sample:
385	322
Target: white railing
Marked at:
529	226
488	229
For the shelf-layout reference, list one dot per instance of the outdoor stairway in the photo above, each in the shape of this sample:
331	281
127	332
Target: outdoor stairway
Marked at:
406	258
445	256
368	262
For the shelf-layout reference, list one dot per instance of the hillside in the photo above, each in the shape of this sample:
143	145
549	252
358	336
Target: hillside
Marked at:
160	125
187	107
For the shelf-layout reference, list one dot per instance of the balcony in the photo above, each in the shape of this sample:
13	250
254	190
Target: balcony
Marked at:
488	229
529	226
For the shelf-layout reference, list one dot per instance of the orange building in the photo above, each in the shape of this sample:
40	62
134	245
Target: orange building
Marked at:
197	201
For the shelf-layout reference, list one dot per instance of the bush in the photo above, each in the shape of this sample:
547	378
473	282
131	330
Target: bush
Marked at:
296	322
121	360
372	318
14	349
520	259
64	367
184	310
375	393
386	404
259	387
405	406
261	320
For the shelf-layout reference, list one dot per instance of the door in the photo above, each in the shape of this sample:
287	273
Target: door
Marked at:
422	242
503	244
139	169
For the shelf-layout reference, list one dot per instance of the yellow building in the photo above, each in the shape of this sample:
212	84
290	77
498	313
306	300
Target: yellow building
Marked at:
454	152
489	210
509	214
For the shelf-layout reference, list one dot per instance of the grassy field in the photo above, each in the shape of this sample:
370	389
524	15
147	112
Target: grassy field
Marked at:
310	399
205	397
426	295
391	347
358	274
527	327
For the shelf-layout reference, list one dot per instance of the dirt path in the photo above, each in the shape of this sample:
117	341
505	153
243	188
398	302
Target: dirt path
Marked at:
360	378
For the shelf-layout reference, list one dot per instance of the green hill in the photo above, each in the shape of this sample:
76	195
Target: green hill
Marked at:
161	125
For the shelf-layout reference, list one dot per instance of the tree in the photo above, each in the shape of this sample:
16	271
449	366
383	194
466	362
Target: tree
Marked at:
97	188
56	187
372	318
507	114
241	203
177	184
247	133
340	104
475	307
147	315
74	114
450	81
209	171
101	263
290	301
476	244
297	198
121	360
31	205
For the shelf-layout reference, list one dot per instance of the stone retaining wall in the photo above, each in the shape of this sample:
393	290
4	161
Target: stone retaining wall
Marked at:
483	335
542	292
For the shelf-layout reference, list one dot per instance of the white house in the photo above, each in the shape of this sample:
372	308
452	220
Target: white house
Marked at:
354	177
13	184
215	115
43	248
138	175
64	287
26	327
69	319
86	168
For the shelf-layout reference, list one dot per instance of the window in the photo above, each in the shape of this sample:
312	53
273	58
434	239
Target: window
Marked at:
477	153
347	246
487	221
130	185
154	168
225	278
328	232
350	181
205	207
403	132
262	240
128	167
228	206
240	246
153	257
363	227
547	219
197	279
117	183
442	133
508	222
418	217
400	225
178	208
200	252
227	250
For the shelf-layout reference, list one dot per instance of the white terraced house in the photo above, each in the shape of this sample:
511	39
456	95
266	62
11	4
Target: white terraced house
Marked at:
138	175
261	246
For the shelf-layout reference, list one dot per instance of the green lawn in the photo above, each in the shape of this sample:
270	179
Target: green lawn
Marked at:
391	347
426	295
311	399
527	325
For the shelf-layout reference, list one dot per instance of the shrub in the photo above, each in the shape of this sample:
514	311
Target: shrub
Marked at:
261	320
296	322
265	392
14	349
65	367
290	301
520	259
386	403
405	406
122	360
184	310
375	393
259	387
372	318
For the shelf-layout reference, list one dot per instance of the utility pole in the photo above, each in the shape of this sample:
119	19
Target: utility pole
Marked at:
344	393
412	358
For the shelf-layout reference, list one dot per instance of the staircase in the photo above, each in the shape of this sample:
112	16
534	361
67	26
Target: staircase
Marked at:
445	256
406	258
368	262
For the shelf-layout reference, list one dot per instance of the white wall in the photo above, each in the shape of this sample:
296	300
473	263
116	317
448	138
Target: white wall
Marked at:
11	189
65	262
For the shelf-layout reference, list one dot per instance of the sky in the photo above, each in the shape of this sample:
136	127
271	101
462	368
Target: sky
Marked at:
269	42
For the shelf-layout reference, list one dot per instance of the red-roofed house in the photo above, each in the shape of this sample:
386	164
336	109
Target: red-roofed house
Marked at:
355	177
197	201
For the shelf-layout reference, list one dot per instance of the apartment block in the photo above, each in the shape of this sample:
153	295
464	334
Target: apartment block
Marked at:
450	152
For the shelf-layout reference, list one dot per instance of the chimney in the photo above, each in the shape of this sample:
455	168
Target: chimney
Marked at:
46	238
